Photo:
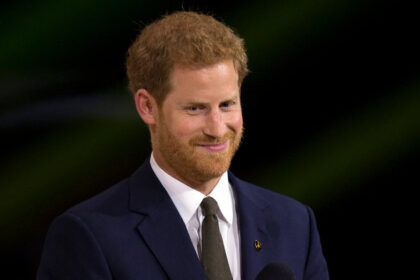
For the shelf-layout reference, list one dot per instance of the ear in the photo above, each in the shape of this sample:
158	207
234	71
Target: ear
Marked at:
146	106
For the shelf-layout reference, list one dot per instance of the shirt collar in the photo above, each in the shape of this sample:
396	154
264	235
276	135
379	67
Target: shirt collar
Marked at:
187	200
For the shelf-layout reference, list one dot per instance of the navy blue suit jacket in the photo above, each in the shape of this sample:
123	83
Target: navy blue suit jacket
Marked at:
133	231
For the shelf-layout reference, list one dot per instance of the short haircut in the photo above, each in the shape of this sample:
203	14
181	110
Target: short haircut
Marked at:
183	38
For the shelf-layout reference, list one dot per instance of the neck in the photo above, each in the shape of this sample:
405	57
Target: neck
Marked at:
205	187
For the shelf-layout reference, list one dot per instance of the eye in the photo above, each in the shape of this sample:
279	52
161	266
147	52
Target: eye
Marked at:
227	104
194	109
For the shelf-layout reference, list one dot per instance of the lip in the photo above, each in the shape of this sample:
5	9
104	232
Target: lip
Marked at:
216	148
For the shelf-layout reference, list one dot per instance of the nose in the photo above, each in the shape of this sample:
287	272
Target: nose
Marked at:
215	125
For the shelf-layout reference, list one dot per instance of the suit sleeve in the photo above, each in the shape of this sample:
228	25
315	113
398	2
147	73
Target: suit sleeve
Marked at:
316	266
72	252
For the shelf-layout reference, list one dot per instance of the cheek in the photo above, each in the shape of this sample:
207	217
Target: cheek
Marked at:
235	121
178	124
186	127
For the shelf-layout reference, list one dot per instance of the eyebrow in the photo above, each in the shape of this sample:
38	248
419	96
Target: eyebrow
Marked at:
235	97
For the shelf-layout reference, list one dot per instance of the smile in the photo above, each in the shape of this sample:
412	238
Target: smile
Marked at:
216	147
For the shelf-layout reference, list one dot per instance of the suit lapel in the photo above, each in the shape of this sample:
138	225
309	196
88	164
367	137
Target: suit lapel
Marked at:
162	227
164	232
253	228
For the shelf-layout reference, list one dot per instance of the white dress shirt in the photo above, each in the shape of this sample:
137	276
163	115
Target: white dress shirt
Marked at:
187	201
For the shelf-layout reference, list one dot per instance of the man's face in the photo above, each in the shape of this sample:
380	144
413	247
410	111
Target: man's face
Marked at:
199	127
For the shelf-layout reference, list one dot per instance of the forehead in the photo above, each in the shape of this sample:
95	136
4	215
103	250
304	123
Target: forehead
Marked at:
219	80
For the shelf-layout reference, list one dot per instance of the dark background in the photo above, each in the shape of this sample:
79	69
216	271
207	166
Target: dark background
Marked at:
331	109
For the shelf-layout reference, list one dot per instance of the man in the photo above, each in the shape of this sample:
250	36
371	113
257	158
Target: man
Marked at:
185	72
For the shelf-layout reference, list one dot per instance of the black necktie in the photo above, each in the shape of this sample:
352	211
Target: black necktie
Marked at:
213	255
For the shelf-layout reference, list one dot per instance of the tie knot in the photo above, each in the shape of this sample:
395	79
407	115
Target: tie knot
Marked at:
209	206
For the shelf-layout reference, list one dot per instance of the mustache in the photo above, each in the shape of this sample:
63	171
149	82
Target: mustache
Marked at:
209	140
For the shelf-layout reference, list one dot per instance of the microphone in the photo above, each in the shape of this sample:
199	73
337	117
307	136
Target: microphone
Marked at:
276	271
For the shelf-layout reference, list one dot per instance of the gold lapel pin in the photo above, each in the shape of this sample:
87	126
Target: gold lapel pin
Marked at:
257	245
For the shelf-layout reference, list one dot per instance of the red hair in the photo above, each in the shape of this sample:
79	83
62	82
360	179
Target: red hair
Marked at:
181	38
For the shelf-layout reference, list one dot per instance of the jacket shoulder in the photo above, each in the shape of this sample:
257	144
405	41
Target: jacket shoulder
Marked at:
264	196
